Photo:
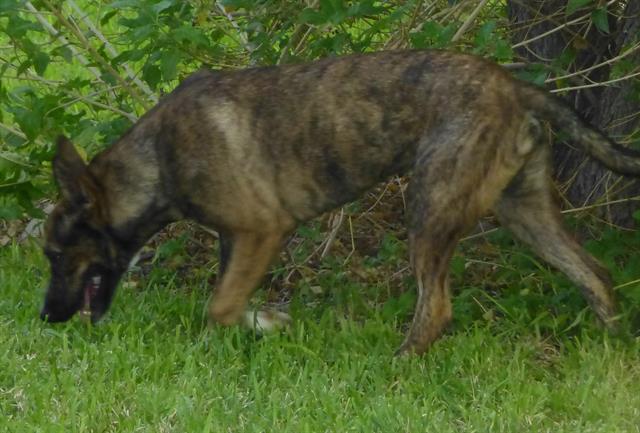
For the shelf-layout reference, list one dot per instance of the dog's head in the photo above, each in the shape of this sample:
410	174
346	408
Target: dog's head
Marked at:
83	255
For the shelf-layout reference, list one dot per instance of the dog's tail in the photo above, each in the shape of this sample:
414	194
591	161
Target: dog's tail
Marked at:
564	118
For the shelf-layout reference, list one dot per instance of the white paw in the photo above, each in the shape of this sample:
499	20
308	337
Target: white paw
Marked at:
265	321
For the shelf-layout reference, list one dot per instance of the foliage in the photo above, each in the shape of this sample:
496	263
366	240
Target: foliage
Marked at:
89	69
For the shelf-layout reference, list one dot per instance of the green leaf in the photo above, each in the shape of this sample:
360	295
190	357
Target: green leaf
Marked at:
237	4
600	19
187	33
162	5
534	73
86	136
151	74
144	32
107	77
120	4
135	23
335	9
574	5
313	17
106	17
503	51
128	56
22	67
168	64
30	122
9	5
9	208
485	35
364	8
64	52
17	27
40	62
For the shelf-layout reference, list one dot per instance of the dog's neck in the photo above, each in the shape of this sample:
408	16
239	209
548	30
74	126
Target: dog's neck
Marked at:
131	184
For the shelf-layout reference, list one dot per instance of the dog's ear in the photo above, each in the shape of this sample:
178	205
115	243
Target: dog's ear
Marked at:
70	172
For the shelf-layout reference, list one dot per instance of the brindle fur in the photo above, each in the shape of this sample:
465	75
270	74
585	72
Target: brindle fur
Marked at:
252	153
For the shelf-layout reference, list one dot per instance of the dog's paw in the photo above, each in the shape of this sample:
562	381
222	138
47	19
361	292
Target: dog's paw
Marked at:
265	321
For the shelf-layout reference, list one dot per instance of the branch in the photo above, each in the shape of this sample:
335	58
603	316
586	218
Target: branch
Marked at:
48	27
603	83
111	50
607	62
244	41
465	26
87	100
558	28
96	55
296	36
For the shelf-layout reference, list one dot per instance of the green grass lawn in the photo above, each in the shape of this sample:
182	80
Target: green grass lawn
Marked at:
528	359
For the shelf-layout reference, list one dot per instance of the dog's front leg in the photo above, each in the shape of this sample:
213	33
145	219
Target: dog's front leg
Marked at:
249	258
225	245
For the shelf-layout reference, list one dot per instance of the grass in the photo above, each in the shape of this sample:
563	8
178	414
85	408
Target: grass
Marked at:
529	358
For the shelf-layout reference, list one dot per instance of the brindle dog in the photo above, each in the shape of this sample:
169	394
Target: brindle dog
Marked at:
252	153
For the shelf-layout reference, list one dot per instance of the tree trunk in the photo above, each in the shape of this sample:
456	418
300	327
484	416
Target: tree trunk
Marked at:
614	109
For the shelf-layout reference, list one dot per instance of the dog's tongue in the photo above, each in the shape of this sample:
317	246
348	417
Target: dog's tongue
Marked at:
90	290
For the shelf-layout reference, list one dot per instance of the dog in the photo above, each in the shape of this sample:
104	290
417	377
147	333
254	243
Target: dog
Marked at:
252	153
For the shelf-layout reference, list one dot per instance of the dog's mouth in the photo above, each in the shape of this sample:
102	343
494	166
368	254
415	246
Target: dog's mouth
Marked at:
91	300
91	290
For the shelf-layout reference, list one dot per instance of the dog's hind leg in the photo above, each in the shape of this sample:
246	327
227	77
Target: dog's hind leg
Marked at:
454	183
528	208
440	211
251	255
430	255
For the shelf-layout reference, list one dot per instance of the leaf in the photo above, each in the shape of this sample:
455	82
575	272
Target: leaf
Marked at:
9	208
535	73
237	4
151	74
485	35
134	23
335	10
64	52
9	5
364	8
107	77
457	266
312	16
17	27
168	64
120	4
22	67
106	17
574	5
40	62
600	19
162	5
29	120
85	138
128	56
144	32
187	33
503	51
